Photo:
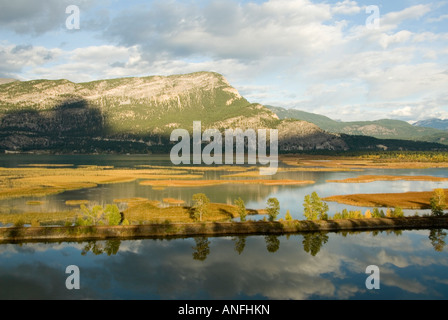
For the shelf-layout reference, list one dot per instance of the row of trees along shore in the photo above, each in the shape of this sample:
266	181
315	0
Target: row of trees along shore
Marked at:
316	209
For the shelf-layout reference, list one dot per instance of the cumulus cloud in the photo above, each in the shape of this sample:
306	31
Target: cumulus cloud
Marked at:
226	30
346	7
15	58
36	17
300	53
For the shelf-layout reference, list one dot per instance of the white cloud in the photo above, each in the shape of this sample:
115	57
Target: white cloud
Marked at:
438	19
15	58
393	19
346	7
285	52
37	17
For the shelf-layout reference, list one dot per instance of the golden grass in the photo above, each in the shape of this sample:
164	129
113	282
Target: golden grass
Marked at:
132	202
373	178
253	174
335	162
203	168
38	218
24	182
147	213
76	202
35	203
309	169
126	200
173	201
45	165
407	200
139	211
206	183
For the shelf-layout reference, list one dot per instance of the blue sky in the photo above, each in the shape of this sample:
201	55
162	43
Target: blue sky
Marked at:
317	56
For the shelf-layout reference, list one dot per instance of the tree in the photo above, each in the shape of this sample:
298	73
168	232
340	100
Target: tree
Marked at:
241	208
98	215
91	217
438	202
377	213
200	205
288	216
315	208
273	208
368	214
112	215
398	213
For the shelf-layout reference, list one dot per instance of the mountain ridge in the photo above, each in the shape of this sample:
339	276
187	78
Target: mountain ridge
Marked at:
381	129
138	114
135	113
441	124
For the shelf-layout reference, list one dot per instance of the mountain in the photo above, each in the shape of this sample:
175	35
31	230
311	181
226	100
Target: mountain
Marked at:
380	129
433	123
136	114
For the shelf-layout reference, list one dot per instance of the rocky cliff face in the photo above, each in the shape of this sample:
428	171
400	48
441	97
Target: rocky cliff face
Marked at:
136	114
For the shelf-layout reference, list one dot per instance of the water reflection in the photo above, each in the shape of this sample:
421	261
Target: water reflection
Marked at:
272	243
437	238
313	242
202	248
240	244
109	247
298	266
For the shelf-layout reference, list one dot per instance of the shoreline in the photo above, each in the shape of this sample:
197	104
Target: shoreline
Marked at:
412	200
169	230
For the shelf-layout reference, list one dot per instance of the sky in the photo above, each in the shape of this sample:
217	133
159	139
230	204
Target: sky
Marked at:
348	60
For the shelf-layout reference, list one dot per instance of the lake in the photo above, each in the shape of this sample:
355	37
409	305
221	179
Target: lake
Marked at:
412	264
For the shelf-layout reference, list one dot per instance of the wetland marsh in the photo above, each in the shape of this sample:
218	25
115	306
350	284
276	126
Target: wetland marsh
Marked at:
296	266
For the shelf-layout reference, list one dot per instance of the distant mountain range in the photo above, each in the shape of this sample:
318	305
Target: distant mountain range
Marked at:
138	115
381	129
433	123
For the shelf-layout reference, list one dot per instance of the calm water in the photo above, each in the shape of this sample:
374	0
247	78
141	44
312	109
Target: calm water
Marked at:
412	264
328	266
255	196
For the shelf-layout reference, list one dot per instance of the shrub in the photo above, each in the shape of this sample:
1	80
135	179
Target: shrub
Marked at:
438	202
397	213
98	216
19	223
112	215
378	213
368	214
337	216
